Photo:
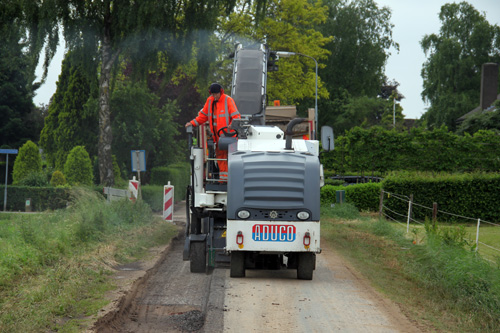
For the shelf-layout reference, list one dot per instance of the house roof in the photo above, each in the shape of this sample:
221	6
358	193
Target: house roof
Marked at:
470	113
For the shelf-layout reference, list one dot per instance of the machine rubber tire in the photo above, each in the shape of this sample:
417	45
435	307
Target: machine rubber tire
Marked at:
306	264
188	211
198	257
237	264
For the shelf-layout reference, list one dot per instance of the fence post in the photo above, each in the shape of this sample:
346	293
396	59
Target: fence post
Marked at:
409	214
381	204
477	234
434	214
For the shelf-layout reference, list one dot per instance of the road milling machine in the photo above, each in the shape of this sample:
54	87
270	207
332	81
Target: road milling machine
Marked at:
267	214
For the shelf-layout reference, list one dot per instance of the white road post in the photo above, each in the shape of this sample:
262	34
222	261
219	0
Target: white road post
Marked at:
477	234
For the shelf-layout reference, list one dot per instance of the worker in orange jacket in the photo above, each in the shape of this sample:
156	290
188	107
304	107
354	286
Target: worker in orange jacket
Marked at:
219	110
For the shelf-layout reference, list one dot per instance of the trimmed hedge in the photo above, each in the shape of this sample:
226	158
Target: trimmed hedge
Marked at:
178	174
364	196
153	196
42	198
364	151
471	195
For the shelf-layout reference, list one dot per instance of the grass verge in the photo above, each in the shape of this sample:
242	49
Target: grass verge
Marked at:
436	282
55	267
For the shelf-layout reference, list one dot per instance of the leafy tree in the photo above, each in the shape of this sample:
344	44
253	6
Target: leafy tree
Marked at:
348	112
69	123
106	30
16	90
139	124
452	71
181	89
354	71
27	161
78	167
286	26
362	37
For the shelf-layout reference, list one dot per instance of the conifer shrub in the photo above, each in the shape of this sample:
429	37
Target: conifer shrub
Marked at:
58	179
27	161
78	167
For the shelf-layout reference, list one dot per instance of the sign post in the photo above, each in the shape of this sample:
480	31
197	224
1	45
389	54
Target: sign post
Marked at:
12	152
138	165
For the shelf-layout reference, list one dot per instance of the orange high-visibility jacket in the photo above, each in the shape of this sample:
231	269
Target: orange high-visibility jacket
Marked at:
219	115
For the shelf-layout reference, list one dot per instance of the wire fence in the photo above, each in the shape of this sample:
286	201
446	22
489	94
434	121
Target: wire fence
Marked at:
406	218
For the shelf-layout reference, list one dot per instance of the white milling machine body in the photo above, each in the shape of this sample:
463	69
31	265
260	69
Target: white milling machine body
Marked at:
267	215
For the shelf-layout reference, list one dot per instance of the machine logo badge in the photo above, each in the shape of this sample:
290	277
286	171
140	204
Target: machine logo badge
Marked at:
273	233
273	214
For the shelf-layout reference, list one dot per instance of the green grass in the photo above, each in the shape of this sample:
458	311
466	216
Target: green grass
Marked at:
488	234
55	267
434	279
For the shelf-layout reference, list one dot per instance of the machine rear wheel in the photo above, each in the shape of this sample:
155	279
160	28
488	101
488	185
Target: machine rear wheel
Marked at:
198	257
306	264
237	264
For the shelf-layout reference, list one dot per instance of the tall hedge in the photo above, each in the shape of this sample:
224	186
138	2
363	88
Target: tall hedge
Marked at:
364	196
27	161
178	175
474	195
78	167
374	150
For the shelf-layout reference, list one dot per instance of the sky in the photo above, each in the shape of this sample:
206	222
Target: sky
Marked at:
412	21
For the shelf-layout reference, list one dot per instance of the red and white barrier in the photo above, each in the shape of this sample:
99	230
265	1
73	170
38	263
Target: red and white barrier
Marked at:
168	202
133	188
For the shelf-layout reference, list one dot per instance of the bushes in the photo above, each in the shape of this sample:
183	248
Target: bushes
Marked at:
153	196
27	161
363	196
177	174
78	167
36	179
57	179
472	195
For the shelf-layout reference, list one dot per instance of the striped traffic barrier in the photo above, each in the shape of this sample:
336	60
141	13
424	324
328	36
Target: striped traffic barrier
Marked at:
168	202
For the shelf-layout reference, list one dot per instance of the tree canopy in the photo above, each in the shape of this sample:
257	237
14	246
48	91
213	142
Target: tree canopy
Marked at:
106	30
133	65
69	123
16	90
452	72
362	38
283	26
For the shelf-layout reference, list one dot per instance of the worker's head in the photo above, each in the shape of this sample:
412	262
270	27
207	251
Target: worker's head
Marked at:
215	90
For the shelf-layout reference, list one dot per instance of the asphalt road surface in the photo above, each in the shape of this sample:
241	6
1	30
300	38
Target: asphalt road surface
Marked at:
171	299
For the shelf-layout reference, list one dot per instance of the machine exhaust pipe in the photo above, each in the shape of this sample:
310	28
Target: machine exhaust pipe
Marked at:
289	132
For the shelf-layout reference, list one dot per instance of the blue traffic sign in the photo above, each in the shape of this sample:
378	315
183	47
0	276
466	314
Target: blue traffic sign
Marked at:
8	151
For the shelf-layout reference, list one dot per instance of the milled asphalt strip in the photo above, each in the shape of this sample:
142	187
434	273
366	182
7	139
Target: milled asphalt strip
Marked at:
214	307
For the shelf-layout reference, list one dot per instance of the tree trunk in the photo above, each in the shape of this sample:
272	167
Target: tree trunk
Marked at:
105	133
